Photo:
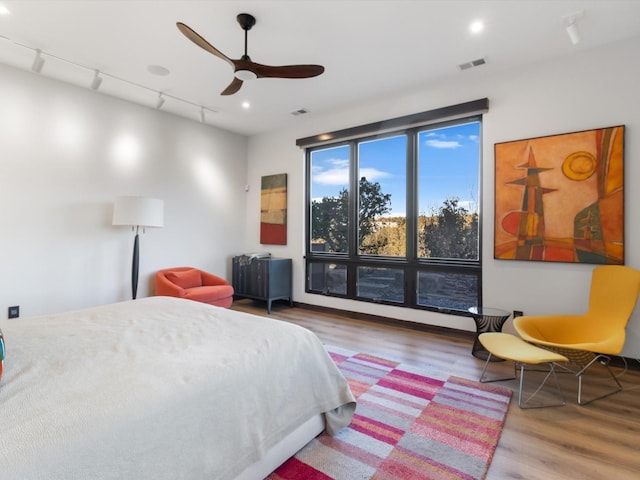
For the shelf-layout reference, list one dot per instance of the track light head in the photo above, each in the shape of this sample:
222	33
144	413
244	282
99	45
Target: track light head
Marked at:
574	34
571	25
38	62
97	80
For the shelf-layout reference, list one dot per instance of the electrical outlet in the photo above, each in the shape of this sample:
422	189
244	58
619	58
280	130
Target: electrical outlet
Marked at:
14	312
517	313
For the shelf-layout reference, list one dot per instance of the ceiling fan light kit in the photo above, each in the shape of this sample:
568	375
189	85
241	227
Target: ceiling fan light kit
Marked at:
245	75
244	68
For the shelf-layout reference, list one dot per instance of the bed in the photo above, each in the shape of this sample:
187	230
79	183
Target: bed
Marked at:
162	388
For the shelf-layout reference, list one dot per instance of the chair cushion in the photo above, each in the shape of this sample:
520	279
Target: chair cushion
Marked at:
186	278
209	294
510	347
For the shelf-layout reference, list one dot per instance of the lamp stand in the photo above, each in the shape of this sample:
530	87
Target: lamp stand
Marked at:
137	212
135	263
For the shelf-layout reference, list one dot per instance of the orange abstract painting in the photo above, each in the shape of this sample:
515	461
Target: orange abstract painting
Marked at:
561	198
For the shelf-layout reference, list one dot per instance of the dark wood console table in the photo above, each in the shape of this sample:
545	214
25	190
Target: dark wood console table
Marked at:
266	279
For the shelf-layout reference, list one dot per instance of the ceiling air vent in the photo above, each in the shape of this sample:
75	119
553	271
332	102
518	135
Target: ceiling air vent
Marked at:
472	63
302	111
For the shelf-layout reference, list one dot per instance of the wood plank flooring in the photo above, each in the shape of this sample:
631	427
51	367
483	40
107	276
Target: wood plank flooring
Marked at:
597	441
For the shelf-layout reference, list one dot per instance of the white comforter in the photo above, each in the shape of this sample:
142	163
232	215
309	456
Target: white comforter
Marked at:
157	388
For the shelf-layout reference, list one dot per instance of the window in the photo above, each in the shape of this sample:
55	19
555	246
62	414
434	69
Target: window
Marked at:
329	193
395	218
382	182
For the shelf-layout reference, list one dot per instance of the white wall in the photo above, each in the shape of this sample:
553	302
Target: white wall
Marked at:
65	154
588	90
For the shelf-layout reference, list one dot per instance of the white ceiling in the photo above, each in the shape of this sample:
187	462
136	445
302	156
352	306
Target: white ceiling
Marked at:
369	48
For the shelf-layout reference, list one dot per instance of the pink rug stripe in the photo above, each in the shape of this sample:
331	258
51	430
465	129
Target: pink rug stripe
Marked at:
378	430
408	426
404	464
298	470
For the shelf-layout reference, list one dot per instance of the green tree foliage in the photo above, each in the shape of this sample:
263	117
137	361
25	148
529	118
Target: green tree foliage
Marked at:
373	204
451	232
329	216
329	222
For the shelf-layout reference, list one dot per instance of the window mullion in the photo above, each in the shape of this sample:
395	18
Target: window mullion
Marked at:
353	219
410	278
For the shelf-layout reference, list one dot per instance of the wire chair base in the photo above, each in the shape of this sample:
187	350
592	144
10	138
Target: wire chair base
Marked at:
583	361
527	403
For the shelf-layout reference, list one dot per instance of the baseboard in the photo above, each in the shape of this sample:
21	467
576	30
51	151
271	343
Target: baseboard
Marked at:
392	322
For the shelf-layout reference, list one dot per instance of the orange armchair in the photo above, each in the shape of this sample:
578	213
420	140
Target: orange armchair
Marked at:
194	284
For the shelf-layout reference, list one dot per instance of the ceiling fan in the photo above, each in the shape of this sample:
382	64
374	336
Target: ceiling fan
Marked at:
244	68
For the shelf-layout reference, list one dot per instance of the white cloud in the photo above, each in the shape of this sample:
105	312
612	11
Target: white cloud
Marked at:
334	176
372	174
442	144
339	162
340	175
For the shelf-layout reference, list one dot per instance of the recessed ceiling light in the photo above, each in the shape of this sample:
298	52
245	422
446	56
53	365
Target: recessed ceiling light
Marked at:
158	70
4	10
246	105
476	26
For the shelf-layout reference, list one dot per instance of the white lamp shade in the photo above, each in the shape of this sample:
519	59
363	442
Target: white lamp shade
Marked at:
138	212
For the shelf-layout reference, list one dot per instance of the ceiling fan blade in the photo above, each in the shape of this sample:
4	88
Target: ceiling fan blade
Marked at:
233	87
286	71
192	35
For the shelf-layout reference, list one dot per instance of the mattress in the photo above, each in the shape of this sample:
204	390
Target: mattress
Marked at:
158	388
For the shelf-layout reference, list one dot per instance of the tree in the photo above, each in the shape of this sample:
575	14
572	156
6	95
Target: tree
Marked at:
451	232
330	216
329	223
389	240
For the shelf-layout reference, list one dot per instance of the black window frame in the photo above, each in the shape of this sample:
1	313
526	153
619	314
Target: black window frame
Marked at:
411	264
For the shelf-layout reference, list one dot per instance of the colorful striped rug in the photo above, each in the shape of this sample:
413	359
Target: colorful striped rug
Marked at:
410	423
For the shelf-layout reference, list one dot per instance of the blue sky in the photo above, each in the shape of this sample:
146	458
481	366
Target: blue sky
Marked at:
448	166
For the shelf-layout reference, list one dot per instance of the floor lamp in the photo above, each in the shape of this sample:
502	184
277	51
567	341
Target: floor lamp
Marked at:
137	212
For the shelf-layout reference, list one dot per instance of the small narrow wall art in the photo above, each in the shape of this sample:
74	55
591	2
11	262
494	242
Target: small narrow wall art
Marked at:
273	210
560	198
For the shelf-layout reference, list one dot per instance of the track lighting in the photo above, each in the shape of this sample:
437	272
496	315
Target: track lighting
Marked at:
42	56
38	62
97	80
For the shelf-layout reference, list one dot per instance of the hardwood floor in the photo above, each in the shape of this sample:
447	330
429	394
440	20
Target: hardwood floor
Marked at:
597	441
